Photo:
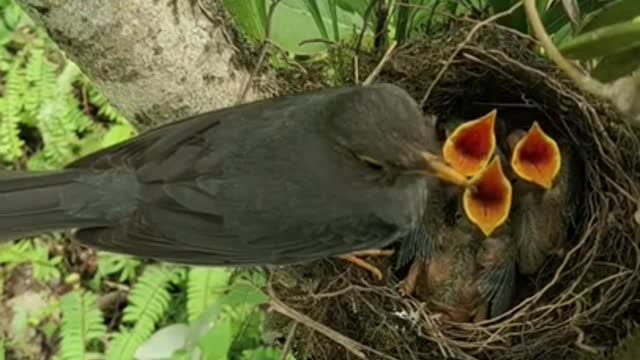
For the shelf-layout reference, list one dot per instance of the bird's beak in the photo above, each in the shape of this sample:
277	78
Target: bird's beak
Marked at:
471	145
536	157
436	166
488	202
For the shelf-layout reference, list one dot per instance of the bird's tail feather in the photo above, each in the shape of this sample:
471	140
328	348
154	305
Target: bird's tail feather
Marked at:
34	203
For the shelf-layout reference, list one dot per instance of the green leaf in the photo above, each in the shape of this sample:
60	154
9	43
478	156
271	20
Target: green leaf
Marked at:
243	293
149	301
613	13
163	343
556	17
216	344
250	16
516	20
615	66
205	286
354	6
293	14
117	133
333	9
410	18
312	7
82	322
605	41
264	353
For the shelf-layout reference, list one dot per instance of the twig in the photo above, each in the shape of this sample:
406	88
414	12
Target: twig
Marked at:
585	82
580	341
460	46
352	346
378	68
263	53
287	344
349	344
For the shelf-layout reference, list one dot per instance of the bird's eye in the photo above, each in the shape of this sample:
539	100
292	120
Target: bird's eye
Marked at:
371	163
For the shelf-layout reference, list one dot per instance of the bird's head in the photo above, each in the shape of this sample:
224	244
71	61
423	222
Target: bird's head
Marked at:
383	127
469	148
470	145
535	156
488	202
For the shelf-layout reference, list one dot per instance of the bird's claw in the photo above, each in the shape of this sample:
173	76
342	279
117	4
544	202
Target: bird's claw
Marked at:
354	259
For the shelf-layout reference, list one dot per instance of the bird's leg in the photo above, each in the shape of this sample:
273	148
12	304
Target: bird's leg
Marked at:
354	259
481	312
409	283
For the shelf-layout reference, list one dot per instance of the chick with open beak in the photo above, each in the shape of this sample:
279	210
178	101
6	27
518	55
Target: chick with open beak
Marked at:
545	194
469	149
462	267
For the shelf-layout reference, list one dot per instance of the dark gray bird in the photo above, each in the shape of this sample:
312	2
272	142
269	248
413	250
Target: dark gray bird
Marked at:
280	181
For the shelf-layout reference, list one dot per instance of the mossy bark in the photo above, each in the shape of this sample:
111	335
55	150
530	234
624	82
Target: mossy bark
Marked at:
155	63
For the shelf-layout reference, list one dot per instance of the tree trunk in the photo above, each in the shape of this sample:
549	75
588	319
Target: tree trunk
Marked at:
156	61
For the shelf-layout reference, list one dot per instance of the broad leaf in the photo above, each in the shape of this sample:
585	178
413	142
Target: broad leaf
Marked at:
556	16
618	65
605	41
250	16
216	344
314	10
164	343
610	14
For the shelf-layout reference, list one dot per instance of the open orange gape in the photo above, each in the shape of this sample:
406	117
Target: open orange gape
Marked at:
469	150
535	156
471	145
488	202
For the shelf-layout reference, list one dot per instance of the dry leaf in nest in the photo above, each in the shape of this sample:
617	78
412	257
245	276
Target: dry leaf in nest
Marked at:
581	294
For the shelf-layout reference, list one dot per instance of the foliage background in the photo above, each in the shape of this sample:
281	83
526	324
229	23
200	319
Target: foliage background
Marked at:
65	302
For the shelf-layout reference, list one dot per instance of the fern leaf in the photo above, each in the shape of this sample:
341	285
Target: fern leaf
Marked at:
148	302
11	147
204	287
40	75
82	322
55	134
104	107
35	254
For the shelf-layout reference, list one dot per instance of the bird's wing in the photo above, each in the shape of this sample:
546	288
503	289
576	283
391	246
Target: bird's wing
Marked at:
201	246
498	285
247	185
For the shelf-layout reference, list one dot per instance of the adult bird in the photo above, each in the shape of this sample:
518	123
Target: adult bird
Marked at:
549	180
280	181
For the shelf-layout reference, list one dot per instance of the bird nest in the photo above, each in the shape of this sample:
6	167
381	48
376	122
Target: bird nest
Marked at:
578	301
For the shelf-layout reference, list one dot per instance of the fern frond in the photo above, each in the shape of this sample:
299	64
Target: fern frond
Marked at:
57	134
104	107
11	146
41	77
82	322
148	302
35	254
204	287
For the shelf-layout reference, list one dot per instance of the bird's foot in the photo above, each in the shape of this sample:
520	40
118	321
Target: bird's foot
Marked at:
410	281
355	259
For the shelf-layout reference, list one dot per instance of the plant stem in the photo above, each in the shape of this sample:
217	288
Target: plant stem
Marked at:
585	82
